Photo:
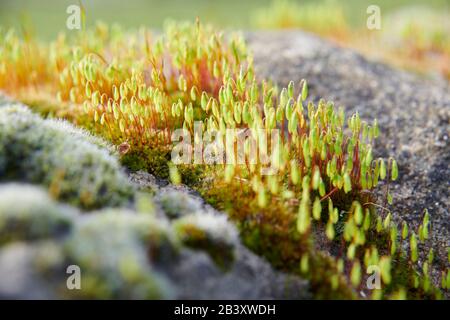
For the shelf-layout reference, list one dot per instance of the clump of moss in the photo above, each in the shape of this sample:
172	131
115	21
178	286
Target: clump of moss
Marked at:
71	163
32	270
35	216
118	266
422	44
211	233
177	204
117	251
322	176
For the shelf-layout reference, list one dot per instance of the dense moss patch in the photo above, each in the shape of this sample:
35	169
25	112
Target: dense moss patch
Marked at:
72	164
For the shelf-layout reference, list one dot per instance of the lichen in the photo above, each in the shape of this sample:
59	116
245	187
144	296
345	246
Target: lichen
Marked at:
114	249
27	214
71	163
211	233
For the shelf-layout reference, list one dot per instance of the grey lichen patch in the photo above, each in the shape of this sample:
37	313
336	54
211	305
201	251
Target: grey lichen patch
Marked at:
75	166
125	254
145	230
78	133
117	250
211	233
32	270
177	203
113	247
27	213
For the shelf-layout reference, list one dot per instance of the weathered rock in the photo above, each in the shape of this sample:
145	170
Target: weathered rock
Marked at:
413	115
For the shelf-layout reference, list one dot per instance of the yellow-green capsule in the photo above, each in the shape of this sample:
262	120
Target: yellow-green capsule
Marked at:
394	170
330	230
317	209
347	183
316	178
291	89
194	93
304	263
358	213
355	274
88	89
413	247
122	125
385	268
404	230
304	90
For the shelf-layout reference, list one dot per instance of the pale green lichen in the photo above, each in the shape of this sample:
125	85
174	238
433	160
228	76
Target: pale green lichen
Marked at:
65	159
177	204
114	248
211	233
27	214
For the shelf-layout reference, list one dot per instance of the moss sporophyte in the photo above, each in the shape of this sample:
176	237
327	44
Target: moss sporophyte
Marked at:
160	95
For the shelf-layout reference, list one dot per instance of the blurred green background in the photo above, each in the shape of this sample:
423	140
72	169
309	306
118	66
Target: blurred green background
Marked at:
48	17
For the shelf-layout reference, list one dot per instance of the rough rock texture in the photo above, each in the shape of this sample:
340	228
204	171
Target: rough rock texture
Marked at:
413	114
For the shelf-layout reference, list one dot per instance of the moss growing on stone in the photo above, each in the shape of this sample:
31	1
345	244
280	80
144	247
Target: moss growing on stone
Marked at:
324	171
177	204
27	214
72	164
114	248
211	233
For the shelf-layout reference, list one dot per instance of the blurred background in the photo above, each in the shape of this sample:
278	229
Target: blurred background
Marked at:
48	17
414	34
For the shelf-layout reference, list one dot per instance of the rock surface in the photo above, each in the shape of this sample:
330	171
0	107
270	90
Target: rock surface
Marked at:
413	115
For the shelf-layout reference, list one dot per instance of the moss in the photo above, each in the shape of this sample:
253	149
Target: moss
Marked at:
27	213
176	203
211	233
322	155
119	252
75	166
114	249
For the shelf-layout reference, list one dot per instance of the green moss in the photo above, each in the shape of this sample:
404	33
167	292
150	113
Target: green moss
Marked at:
211	233
177	204
75	166
114	249
322	157
28	214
